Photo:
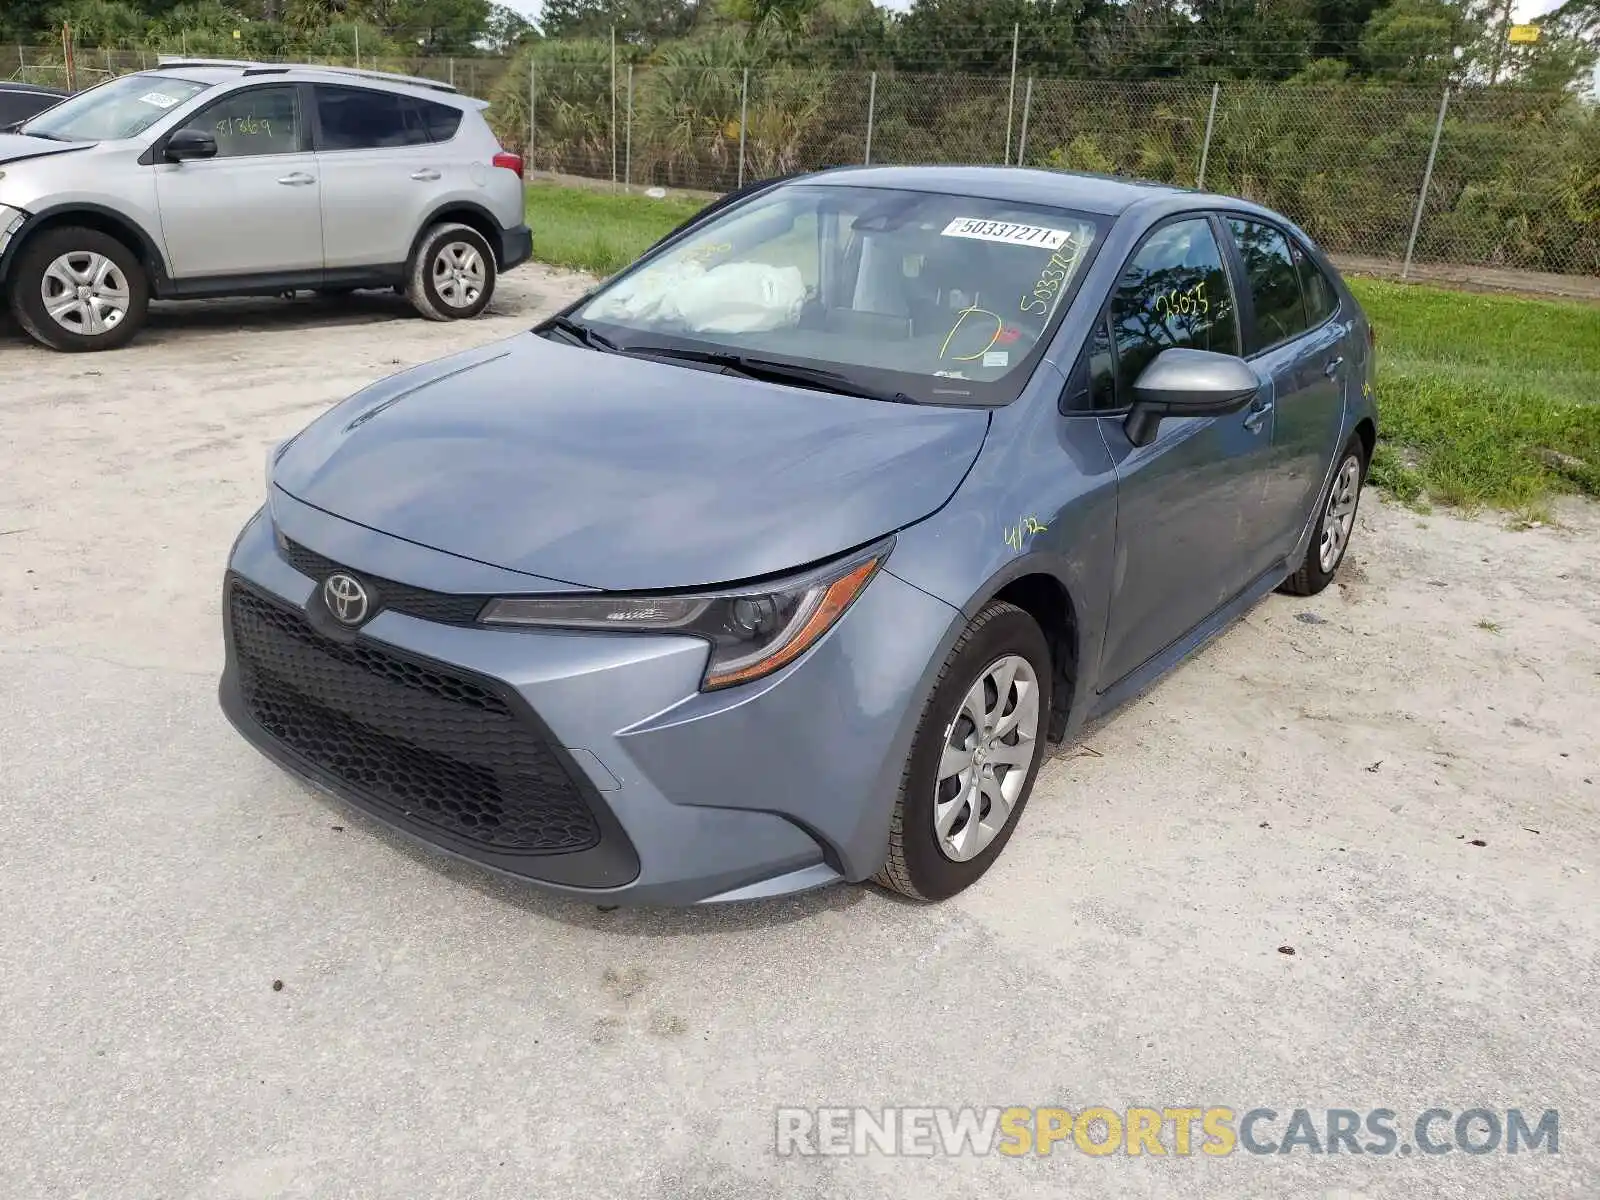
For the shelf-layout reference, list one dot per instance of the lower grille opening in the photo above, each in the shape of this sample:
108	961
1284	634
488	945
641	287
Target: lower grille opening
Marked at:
413	736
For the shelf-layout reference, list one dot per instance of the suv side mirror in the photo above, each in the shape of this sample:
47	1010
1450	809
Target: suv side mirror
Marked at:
1188	383
190	143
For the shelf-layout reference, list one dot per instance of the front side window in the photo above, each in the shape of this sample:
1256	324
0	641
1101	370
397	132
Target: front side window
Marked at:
254	122
940	298
122	108
1173	294
361	119
1273	281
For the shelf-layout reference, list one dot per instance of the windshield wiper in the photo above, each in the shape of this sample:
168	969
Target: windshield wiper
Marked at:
585	335
772	371
49	137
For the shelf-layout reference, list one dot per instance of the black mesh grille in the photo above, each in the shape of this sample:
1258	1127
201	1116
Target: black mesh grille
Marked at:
401	597
411	735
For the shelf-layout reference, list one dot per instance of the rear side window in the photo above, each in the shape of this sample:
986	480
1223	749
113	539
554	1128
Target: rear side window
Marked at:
359	119
440	120
1273	280
1173	294
1321	300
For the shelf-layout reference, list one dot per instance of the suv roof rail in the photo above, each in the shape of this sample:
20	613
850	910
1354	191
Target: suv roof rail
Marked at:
389	76
264	68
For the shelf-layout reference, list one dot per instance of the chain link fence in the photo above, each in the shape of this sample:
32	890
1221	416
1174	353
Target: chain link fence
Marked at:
1502	178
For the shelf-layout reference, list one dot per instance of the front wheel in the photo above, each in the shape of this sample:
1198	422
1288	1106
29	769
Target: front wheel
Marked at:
78	289
1336	522
453	274
973	759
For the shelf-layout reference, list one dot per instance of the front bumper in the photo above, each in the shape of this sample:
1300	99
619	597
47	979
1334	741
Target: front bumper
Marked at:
775	787
515	248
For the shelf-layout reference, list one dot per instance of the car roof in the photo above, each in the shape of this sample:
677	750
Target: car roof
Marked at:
1104	195
36	89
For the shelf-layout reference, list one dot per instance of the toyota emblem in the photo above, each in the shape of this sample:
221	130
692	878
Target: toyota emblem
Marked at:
346	598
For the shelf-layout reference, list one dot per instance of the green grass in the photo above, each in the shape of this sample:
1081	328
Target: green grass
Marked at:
1483	399
598	231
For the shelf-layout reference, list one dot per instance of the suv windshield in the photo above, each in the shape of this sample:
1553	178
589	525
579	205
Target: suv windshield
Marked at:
918	295
120	108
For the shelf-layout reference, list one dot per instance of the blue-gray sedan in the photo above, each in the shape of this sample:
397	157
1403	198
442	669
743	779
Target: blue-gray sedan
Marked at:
780	557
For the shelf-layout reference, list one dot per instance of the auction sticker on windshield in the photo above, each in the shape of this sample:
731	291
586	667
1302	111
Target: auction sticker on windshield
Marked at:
1005	231
159	99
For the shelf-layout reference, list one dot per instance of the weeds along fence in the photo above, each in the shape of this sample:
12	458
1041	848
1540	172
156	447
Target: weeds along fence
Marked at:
1493	177
1499	177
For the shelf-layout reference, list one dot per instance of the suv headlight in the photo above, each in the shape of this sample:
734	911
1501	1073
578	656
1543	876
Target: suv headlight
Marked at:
753	631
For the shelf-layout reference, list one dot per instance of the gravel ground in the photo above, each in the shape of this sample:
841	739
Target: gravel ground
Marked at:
1397	779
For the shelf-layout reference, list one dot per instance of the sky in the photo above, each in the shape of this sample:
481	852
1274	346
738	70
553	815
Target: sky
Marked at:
1522	10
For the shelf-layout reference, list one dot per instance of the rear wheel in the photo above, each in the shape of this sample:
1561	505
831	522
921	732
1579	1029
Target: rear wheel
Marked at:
1336	523
453	274
79	289
974	758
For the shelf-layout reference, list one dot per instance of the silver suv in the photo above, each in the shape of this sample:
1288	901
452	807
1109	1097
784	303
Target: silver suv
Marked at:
208	178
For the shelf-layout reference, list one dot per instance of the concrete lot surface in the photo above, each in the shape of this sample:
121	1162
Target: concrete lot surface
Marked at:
1316	779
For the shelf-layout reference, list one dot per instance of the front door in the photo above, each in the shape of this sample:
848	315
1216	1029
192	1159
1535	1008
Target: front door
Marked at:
255	208
1190	505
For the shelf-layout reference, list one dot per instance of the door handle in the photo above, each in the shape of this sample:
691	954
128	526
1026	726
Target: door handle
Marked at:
296	179
1257	414
1333	366
426	175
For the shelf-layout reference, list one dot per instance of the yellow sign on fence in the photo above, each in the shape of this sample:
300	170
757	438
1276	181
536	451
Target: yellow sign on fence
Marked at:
1524	33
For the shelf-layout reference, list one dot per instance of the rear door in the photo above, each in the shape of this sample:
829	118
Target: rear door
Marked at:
254	209
381	172
1190	517
1297	338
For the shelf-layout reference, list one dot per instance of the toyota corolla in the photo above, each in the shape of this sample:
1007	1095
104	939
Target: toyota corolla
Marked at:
779	558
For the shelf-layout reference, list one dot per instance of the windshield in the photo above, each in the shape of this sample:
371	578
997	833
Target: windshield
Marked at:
120	108
938	298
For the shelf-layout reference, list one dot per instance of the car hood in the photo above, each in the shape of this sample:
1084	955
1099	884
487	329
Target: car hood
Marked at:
15	147
619	473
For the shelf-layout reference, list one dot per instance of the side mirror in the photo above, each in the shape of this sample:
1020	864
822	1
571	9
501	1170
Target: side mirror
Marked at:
1188	383
190	143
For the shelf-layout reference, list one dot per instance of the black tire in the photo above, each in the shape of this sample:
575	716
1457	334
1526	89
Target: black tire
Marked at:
916	865
423	278
1311	577
28	276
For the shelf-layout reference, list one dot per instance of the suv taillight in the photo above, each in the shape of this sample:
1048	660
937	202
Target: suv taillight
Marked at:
511	162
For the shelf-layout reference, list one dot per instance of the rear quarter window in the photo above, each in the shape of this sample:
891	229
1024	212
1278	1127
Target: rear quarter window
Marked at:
440	120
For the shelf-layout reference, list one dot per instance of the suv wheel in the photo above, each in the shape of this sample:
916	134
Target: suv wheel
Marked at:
79	289
452	275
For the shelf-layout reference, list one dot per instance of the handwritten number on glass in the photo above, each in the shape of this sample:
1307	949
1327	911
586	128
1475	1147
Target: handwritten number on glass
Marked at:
1189	302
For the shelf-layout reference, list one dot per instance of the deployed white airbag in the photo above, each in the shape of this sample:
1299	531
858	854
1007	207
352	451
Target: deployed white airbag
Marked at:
732	298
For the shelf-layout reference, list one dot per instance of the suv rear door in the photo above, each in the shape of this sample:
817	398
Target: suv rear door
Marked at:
382	172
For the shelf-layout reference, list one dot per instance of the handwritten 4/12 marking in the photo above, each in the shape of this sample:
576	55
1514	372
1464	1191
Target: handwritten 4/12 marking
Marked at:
1023	528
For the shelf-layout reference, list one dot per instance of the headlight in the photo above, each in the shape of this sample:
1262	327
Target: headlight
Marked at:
753	631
